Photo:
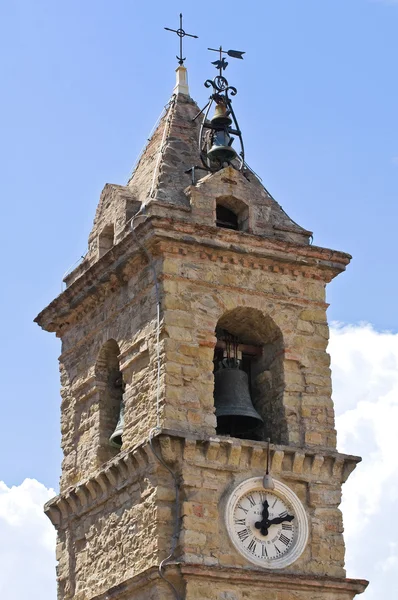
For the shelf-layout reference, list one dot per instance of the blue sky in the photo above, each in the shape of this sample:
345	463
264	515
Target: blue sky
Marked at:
82	85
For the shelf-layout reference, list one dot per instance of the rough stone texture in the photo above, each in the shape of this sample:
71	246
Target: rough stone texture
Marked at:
124	514
177	137
243	194
204	278
266	285
161	177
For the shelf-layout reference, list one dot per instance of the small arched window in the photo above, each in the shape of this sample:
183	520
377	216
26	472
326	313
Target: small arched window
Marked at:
226	218
105	240
111	405
231	213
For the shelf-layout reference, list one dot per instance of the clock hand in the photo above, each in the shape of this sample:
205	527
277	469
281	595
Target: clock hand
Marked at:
265	512
279	520
263	524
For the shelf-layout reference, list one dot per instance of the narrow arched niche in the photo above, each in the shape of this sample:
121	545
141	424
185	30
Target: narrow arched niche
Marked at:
106	240
231	213
109	381
260	348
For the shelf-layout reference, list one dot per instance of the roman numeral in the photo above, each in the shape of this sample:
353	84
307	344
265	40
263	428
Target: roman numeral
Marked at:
277	549
252	546
275	501
285	540
242	522
262	496
287	526
283	514
244	509
243	534
264	551
251	500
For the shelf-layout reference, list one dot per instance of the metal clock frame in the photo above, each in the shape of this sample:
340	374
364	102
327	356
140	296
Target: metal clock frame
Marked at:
287	495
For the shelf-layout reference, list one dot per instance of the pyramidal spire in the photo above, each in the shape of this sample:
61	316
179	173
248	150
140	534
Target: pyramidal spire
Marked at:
162	171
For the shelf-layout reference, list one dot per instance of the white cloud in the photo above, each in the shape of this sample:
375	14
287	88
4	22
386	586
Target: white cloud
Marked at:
365	384
27	549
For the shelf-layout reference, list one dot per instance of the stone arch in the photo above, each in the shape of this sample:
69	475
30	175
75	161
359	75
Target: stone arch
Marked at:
260	342
237	207
110	385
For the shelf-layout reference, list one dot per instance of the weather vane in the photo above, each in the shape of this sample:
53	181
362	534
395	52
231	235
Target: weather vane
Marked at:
222	64
181	34
215	140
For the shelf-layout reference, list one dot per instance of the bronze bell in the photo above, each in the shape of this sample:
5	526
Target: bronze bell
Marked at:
221	116
236	415
221	149
116	437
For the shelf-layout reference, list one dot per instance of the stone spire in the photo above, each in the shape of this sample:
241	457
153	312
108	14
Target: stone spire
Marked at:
161	172
170	174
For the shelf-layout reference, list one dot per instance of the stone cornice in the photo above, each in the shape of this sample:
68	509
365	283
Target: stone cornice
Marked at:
299	464
125	469
116	267
251	576
273	580
247	243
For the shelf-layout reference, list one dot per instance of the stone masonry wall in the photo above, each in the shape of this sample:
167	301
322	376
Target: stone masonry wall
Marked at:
243	194
250	589
127	316
199	288
118	525
113	527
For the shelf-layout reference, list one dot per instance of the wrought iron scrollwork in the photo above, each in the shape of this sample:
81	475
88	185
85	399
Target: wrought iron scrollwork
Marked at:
215	140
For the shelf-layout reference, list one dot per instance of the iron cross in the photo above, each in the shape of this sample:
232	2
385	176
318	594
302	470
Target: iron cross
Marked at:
181	34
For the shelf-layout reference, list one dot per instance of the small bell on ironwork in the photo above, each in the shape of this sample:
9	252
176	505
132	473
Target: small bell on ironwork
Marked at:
221	116
221	150
116	437
236	415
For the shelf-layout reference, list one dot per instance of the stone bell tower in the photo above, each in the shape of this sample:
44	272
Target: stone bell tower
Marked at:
193	267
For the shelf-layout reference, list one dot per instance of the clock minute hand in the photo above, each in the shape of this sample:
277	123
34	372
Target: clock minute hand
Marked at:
279	520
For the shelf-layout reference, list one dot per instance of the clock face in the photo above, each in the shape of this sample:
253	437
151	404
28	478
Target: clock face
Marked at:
268	527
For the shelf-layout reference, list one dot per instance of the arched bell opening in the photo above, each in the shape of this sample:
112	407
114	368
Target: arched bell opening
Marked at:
249	377
111	405
106	240
232	213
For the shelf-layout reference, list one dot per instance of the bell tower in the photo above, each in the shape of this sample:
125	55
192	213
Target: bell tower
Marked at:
193	331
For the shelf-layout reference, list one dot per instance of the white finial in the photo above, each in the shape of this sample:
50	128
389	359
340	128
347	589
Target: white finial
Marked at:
181	81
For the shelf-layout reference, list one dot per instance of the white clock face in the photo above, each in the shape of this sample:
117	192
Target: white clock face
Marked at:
268	527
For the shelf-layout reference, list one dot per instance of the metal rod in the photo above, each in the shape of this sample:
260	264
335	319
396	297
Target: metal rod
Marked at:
181	34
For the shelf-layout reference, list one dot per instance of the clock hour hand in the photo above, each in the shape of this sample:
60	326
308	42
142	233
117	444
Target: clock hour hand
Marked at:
279	520
263	524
